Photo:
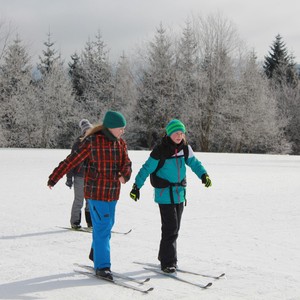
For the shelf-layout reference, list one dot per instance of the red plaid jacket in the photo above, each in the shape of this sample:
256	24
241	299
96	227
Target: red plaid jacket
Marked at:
107	160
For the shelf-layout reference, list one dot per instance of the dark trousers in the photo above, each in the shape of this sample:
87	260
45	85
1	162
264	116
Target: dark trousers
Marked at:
170	225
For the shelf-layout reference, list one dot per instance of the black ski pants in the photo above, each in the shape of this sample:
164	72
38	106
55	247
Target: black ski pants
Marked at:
170	225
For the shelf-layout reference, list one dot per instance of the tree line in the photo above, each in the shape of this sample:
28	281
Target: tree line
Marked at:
203	75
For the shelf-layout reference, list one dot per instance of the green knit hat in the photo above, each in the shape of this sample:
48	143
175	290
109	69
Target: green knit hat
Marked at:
114	119
175	125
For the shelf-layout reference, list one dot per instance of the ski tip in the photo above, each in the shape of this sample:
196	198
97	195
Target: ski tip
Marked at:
150	289
208	285
121	232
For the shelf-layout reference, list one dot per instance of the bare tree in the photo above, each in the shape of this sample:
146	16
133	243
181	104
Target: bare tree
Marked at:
218	44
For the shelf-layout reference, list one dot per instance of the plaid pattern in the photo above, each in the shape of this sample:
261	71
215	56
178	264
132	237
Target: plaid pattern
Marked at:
106	161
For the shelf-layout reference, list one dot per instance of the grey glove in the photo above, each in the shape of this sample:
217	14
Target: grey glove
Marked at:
69	182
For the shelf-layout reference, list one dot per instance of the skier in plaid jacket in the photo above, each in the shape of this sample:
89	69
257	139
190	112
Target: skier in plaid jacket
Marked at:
107	166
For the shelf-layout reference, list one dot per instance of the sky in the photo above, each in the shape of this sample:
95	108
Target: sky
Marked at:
127	24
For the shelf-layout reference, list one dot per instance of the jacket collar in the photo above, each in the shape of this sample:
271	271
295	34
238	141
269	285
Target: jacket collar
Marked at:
109	135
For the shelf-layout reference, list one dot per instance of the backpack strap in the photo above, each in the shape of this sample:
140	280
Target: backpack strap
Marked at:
186	152
160	164
163	183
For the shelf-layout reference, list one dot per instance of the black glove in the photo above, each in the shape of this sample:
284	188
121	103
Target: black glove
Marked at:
206	180
69	182
135	193
50	183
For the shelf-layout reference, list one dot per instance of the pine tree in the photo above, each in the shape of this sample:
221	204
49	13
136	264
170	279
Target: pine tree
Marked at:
6	31
49	56
125	96
15	90
257	127
281	70
56	114
280	66
157	90
97	79
76	76
189	81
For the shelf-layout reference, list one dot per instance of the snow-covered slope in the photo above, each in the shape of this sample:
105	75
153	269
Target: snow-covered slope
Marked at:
246	225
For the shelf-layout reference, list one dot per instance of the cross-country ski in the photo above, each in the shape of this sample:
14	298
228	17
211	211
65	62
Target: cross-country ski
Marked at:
180	270
90	230
115	274
175	276
118	281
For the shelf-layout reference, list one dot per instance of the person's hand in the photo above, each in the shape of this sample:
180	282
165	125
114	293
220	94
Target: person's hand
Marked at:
135	193
206	180
121	178
69	182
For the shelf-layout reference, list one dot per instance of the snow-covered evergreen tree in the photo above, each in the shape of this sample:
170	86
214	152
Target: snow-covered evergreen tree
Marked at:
76	75
125	96
56	114
6	31
157	98
256	126
279	65
281	70
189	82
97	79
15	90
49	56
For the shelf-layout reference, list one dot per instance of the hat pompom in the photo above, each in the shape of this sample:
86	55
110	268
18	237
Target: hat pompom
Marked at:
84	125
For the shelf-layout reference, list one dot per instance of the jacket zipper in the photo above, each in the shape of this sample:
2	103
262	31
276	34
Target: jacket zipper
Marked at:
178	173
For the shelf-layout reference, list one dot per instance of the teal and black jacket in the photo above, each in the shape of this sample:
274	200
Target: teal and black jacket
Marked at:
173	170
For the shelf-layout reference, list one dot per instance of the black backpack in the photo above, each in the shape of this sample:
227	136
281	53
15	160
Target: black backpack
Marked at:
159	182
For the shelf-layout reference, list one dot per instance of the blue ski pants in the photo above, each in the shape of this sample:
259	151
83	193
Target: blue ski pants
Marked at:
103	219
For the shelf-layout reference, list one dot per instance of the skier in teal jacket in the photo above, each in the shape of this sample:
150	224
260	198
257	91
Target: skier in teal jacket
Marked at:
167	169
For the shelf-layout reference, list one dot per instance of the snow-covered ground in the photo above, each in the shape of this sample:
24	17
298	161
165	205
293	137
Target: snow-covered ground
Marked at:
247	225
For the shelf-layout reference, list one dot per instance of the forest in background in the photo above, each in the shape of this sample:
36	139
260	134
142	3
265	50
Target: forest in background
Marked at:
204	76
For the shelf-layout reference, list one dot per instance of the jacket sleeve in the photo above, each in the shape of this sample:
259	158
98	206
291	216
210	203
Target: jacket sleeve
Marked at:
75	147
71	161
195	164
126	165
148	167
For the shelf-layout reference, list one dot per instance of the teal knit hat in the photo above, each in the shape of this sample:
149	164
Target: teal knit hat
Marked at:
175	125
114	119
